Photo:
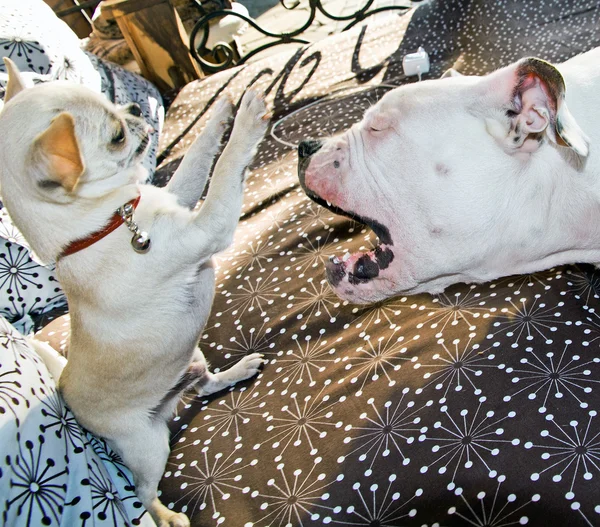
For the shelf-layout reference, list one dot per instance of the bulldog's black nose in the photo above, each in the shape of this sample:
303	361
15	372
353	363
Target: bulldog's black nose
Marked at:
308	148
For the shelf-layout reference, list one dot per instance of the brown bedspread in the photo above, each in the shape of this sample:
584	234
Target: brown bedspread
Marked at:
474	407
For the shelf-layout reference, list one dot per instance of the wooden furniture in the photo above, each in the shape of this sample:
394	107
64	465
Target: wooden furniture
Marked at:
158	41
76	13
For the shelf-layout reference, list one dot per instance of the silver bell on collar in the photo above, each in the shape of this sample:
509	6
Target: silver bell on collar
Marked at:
140	242
141	239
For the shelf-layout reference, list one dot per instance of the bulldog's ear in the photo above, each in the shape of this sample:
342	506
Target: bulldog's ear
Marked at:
537	108
58	149
451	73
15	81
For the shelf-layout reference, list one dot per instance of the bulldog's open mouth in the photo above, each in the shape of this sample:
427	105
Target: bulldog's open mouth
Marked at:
359	267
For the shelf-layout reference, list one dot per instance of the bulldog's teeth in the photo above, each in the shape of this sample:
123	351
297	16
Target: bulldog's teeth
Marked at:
328	203
346	257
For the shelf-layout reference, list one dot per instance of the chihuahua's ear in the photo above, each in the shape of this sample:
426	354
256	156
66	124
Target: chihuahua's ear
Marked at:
59	148
15	81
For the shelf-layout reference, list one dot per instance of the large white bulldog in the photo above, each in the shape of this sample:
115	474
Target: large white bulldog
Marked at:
465	179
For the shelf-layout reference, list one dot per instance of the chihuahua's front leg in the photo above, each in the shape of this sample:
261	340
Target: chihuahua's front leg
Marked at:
189	180
218	216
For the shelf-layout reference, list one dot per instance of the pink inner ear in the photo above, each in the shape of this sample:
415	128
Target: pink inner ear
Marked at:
536	119
535	114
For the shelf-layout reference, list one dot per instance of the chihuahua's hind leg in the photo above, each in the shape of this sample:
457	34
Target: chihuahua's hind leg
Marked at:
190	178
205	382
245	368
195	372
144	448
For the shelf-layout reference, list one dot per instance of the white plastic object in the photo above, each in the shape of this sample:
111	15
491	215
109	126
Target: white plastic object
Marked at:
227	28
416	63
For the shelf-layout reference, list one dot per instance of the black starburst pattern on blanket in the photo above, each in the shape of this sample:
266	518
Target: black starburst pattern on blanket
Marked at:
41	483
106	502
60	420
17	49
108	455
18	271
11	393
14	342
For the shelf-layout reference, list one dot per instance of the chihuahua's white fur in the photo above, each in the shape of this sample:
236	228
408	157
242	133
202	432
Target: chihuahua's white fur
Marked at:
135	318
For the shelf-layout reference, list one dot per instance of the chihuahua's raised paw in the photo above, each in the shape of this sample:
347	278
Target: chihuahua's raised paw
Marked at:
222	115
252	115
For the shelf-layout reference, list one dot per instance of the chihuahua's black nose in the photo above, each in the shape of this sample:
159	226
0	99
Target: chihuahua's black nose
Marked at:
134	109
308	148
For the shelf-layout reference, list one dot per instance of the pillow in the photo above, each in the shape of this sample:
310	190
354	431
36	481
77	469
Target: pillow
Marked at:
28	288
53	472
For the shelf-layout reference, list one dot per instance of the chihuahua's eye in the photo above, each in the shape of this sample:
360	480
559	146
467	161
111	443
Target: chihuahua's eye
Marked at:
119	136
373	129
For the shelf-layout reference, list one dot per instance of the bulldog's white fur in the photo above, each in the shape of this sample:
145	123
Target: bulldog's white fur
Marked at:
68	160
466	179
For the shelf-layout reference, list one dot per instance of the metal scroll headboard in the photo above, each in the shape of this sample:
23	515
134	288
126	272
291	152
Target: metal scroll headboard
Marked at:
223	56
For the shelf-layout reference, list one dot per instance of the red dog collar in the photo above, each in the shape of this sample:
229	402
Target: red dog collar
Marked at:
115	222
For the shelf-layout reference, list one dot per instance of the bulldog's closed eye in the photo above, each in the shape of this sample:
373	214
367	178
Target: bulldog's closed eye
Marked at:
378	123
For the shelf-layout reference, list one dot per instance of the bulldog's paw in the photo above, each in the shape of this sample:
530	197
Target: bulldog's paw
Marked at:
252	118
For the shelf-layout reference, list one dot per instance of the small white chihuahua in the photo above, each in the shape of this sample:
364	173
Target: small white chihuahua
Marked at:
69	166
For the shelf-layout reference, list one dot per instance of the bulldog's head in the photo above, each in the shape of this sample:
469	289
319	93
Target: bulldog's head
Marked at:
461	179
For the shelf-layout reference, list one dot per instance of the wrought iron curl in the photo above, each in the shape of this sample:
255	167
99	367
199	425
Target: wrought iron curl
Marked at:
202	25
219	49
